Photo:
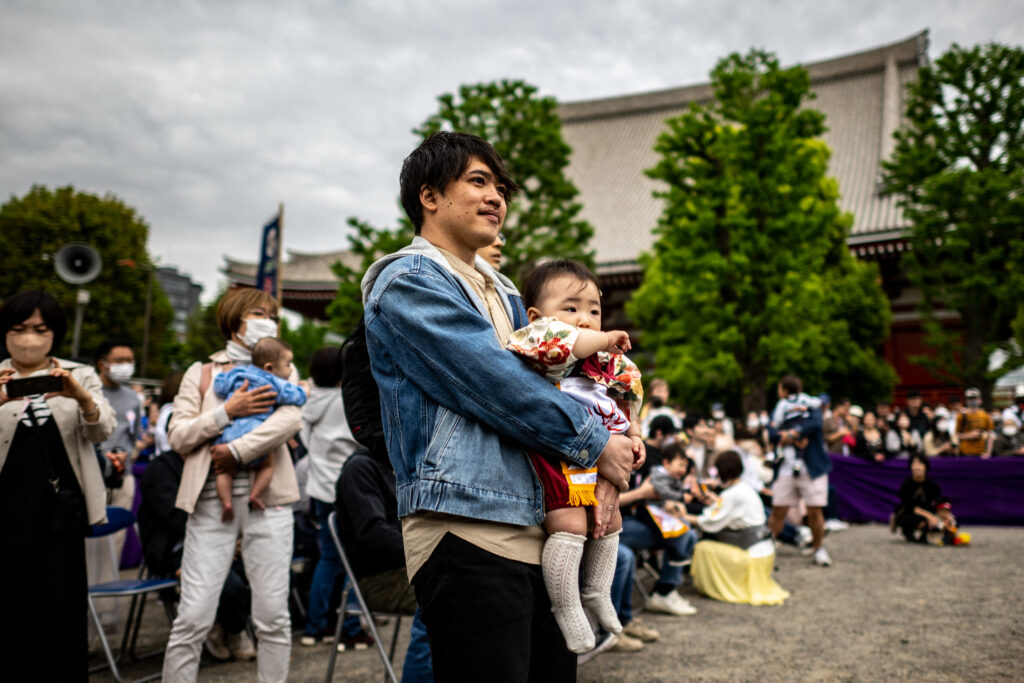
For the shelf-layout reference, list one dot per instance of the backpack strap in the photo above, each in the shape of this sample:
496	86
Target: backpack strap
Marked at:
204	379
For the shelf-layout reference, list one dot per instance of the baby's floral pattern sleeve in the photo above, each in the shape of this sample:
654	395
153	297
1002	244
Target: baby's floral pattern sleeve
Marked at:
546	344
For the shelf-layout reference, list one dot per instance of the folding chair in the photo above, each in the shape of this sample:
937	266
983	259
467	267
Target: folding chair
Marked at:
363	611
136	589
648	563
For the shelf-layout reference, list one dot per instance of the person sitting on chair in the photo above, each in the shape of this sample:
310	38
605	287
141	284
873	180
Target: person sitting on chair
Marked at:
371	534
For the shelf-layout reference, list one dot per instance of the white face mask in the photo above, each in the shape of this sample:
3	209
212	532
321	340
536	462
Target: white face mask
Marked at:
753	424
258	328
29	348
942	425
121	372
1010	430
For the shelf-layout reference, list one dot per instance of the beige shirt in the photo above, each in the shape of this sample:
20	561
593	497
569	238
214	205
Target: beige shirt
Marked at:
422	531
77	433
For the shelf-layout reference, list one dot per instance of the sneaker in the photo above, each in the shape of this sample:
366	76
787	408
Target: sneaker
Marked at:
359	641
604	642
836	525
804	537
309	640
241	646
673	603
215	644
624	643
640	630
821	558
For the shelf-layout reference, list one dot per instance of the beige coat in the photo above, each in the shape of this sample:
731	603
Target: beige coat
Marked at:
193	429
77	434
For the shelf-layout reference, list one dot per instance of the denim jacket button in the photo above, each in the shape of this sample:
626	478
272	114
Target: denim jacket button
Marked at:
584	454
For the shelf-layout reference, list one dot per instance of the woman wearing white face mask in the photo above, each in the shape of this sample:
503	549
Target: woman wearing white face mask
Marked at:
1009	440
244	316
50	491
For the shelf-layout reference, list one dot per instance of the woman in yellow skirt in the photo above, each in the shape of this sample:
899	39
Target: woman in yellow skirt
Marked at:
734	561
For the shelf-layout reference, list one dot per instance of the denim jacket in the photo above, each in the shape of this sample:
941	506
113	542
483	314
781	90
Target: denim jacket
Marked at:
458	409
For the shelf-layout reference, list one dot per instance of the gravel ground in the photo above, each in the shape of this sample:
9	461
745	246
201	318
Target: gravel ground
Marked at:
885	610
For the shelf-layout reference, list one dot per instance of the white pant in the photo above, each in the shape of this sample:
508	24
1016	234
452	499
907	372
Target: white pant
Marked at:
209	550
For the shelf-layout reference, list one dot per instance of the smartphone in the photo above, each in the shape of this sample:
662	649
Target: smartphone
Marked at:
30	386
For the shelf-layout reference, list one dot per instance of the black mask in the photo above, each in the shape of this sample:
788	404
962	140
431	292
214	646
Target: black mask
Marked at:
656	402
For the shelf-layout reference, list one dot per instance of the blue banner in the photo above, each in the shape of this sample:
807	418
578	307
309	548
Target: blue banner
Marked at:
267	276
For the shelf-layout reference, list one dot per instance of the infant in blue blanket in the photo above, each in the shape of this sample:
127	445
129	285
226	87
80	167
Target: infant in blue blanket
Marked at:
271	364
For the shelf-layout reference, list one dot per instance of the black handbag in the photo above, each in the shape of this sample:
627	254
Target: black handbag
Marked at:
68	514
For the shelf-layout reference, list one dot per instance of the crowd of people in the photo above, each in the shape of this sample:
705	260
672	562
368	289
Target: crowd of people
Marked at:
521	486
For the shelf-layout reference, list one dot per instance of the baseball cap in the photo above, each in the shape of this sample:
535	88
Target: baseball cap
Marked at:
856	411
972	392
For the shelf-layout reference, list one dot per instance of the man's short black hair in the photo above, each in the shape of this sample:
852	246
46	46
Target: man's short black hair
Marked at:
19	307
325	367
791	384
729	465
108	345
439	160
533	283
663	424
691	420
914	393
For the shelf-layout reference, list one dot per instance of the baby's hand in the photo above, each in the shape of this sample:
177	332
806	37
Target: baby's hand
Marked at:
618	341
638	448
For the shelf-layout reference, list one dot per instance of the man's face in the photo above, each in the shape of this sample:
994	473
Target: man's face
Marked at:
492	252
117	356
914	404
471	210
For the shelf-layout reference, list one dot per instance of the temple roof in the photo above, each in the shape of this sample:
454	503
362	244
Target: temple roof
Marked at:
862	96
301	270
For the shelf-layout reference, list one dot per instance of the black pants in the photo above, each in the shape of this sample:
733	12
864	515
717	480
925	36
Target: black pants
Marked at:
489	618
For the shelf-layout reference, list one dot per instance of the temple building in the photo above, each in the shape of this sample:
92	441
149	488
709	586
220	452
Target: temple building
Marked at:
863	98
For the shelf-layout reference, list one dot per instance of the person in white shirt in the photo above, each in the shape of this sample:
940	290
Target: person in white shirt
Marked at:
733	562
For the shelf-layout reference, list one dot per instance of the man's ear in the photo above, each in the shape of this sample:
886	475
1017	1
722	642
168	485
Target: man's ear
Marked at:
532	314
429	197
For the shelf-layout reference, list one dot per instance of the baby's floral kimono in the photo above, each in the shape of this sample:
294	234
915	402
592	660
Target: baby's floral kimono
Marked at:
599	383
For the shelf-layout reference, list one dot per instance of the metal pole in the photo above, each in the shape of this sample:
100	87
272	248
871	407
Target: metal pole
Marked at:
145	328
81	299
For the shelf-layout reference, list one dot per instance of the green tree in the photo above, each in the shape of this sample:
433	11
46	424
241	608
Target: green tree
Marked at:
958	168
306	339
750	277
33	228
543	220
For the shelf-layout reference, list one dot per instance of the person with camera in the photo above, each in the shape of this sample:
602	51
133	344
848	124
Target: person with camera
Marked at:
51	489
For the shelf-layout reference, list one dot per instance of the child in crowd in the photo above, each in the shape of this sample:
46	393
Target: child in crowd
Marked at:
271	364
677	489
564	341
947	526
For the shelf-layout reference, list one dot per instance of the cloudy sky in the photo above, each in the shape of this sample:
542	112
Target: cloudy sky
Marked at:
204	115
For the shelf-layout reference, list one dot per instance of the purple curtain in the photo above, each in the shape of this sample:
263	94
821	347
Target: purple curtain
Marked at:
982	491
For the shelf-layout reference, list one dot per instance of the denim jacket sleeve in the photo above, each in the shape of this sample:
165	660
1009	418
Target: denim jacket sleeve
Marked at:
444	345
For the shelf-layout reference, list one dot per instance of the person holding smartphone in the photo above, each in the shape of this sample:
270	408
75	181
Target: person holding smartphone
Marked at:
51	489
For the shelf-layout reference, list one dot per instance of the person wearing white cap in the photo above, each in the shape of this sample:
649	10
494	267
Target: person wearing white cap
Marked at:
1010	440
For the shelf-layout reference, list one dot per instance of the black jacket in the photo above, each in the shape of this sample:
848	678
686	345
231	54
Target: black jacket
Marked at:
161	525
367	509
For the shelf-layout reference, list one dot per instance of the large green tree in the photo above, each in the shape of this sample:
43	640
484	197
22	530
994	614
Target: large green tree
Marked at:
543	220
958	168
750	277
33	228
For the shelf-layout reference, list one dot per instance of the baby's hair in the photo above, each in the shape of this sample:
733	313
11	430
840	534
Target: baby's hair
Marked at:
268	350
536	279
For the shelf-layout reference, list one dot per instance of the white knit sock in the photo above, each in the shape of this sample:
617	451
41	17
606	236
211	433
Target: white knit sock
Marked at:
561	566
599	559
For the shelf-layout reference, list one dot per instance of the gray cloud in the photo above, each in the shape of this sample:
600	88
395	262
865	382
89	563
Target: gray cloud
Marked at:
204	115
